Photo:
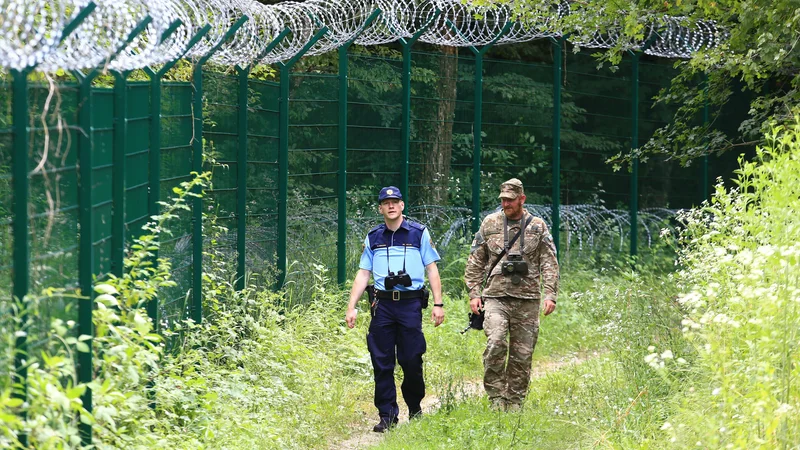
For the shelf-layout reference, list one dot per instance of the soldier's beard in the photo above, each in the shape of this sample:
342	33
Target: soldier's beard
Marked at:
513	213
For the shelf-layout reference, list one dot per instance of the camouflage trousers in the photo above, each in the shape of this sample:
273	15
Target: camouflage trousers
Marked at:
512	328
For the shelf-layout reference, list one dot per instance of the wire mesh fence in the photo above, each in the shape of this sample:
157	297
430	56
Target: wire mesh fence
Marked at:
243	148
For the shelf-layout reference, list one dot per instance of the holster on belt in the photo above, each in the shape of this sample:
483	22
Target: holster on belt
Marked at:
373	300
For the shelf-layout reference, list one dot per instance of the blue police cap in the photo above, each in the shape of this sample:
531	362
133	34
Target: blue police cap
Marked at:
389	192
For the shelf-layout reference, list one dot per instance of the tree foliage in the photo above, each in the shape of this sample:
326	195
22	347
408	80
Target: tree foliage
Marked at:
759	58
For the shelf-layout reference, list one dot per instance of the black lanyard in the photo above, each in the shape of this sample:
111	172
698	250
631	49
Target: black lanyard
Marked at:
387	255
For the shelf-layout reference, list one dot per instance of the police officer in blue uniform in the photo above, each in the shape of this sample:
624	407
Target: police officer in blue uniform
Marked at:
397	254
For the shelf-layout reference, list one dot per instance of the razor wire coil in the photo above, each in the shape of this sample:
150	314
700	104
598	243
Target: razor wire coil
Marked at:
31	33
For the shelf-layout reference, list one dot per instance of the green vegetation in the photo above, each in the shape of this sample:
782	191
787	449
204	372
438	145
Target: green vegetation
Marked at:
705	354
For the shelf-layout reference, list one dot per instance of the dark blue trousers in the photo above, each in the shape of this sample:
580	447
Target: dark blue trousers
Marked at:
396	332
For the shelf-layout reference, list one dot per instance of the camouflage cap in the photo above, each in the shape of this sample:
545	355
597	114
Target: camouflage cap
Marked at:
511	189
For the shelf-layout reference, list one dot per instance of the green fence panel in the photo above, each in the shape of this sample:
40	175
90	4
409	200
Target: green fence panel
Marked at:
137	156
176	167
262	183
221	133
373	138
462	162
434	84
517	114
53	206
596	125
313	174
662	183
102	135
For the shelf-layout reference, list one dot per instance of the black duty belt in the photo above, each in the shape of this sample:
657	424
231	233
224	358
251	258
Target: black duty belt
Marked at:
397	295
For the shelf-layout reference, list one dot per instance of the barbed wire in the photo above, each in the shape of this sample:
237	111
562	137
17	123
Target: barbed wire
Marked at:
32	33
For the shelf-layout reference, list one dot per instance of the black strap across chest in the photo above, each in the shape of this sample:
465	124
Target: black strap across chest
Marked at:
508	245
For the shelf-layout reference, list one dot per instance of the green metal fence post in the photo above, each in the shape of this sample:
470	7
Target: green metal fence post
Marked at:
341	270
85	220
477	141
477	126
241	178
20	224
558	49
197	166
22	254
634	180
118	172
341	249
405	126
283	154
241	161
634	185
706	124
86	238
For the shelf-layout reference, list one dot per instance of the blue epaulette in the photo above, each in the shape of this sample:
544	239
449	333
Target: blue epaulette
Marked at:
376	228
416	225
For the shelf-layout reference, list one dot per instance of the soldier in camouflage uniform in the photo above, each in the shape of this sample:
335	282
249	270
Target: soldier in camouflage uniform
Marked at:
511	298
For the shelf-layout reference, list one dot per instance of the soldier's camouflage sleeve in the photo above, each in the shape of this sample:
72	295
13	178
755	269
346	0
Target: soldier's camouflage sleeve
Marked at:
548	265
476	265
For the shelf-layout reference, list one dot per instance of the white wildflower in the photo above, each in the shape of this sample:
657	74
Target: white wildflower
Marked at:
766	250
784	408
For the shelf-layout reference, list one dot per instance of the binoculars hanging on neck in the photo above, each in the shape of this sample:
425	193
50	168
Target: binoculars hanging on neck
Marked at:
401	278
515	267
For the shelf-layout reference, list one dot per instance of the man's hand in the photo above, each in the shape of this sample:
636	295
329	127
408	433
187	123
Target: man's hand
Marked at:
350	317
437	315
549	306
475	304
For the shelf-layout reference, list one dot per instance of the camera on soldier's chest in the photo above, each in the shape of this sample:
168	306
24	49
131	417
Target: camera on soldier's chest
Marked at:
401	278
515	267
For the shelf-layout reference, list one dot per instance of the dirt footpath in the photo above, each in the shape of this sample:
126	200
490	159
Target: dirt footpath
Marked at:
363	437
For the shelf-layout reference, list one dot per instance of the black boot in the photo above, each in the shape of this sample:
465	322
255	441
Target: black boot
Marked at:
414	414
385	424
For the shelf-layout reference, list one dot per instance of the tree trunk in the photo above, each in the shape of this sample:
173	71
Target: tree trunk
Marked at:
438	145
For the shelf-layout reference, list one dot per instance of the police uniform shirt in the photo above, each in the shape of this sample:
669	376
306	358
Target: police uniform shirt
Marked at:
411	237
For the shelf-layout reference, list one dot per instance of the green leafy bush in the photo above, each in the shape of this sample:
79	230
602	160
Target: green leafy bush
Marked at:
126	356
741	281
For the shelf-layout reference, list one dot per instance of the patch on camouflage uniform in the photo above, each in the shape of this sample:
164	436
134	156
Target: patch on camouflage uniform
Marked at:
477	242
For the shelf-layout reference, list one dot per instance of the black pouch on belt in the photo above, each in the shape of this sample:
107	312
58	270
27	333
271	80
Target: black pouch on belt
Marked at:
426	295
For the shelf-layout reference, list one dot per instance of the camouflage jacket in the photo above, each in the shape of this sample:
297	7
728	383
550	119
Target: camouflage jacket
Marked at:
539	252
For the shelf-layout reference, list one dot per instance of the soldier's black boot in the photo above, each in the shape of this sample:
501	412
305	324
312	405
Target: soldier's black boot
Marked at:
414	414
385	424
